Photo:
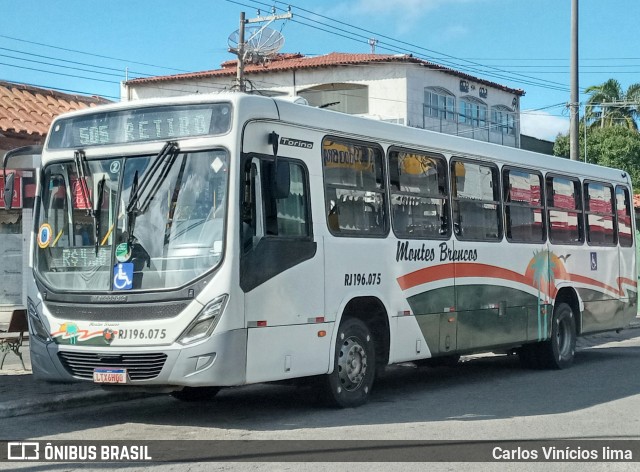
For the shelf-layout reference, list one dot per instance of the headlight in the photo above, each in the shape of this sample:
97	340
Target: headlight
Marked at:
203	325
37	327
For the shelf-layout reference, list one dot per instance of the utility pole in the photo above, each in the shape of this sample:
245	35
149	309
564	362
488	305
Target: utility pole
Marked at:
242	49
240	52
574	106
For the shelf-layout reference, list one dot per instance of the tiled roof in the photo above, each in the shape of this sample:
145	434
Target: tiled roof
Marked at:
636	201
284	62
30	110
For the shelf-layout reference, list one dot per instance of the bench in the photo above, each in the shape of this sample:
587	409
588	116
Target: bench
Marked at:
11	339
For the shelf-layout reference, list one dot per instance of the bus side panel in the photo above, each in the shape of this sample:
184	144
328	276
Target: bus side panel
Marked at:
283	352
497	298
594	272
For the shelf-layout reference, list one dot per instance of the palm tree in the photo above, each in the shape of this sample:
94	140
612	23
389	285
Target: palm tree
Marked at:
609	105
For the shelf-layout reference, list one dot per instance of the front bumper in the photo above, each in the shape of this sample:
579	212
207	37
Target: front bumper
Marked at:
218	361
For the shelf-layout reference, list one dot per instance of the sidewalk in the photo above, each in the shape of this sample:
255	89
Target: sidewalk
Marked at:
22	394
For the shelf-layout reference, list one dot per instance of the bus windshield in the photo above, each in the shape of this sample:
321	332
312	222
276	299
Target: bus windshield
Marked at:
88	241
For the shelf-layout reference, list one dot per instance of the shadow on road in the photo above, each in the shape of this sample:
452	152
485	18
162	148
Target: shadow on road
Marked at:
492	387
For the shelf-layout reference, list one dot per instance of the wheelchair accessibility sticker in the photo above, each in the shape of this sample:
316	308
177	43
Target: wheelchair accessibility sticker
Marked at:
123	276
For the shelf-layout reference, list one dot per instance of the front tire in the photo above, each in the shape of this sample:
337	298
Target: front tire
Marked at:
354	367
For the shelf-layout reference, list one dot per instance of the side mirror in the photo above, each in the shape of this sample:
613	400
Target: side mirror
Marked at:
8	190
281	171
281	180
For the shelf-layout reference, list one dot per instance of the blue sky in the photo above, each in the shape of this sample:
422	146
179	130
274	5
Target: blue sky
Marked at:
85	46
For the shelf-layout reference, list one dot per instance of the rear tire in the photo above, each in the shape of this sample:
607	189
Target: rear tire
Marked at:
195	394
559	351
354	367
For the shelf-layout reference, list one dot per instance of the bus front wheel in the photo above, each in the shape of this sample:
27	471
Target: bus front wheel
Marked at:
354	368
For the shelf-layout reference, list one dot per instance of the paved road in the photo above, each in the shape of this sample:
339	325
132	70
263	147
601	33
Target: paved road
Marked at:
488	398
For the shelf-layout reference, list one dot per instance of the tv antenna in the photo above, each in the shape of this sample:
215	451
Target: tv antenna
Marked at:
262	42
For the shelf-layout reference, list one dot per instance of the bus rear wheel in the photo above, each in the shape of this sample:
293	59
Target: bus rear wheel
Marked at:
559	350
195	394
354	368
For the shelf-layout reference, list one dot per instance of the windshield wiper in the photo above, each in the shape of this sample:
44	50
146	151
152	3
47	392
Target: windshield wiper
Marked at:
98	211
150	183
82	171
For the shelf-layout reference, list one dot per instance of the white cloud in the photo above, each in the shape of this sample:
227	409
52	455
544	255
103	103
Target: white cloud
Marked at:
402	16
454	32
408	7
542	125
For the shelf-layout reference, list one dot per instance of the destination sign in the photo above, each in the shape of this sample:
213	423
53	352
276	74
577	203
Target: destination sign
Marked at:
140	125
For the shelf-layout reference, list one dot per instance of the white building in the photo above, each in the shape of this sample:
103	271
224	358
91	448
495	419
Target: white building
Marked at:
397	88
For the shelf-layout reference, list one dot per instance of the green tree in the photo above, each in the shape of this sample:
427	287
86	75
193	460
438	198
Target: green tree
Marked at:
609	105
614	146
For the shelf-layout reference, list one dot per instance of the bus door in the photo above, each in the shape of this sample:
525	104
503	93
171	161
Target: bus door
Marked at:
495	303
281	264
628	272
628	255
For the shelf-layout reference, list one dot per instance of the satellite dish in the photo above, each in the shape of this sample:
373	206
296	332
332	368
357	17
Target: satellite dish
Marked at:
259	42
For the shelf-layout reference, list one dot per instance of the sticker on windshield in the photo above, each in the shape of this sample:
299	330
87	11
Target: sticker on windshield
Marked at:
115	167
45	234
123	252
123	276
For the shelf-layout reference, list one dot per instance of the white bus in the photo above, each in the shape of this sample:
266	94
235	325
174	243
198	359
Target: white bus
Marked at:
193	243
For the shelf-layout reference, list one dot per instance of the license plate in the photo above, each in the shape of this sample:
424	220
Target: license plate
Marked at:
110	376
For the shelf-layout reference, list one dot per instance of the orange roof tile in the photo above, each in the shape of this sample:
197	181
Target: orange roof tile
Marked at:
283	62
25	109
636	201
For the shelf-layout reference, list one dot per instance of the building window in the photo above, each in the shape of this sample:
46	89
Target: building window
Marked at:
439	104
502	120
473	112
352	99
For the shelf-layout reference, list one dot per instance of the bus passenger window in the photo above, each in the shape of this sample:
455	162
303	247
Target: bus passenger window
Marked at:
599	214
477	213
564	206
623	217
354	188
419	206
523	206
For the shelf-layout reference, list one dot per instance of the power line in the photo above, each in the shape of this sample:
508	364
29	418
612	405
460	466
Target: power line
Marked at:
91	54
73	62
450	63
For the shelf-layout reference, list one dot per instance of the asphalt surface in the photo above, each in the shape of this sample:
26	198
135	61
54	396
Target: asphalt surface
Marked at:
21	393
